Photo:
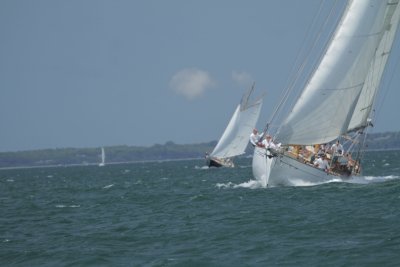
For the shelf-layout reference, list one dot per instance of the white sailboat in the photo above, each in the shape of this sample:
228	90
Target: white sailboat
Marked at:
103	158
336	102
235	138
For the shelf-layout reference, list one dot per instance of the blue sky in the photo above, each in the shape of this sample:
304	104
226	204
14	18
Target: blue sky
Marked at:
97	73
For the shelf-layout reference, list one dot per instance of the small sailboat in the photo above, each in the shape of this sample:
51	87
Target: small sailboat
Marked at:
235	138
336	103
103	158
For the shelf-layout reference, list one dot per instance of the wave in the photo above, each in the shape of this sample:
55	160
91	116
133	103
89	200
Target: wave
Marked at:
370	179
67	206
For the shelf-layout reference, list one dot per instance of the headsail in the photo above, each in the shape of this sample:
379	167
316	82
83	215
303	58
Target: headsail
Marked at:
372	82
235	138
325	108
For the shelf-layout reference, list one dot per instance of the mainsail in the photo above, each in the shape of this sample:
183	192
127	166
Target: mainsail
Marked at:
235	138
339	95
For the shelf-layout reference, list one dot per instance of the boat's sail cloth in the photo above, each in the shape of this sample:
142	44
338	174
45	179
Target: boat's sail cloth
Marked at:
339	95
371	85
235	138
103	156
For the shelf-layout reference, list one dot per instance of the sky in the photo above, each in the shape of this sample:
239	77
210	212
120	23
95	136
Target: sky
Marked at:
97	73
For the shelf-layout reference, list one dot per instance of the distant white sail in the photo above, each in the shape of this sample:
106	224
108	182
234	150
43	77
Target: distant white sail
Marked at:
235	138
103	157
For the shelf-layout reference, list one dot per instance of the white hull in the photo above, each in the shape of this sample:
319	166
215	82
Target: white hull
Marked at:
285	171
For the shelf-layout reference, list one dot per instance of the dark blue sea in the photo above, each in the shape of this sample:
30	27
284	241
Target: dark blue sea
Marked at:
180	213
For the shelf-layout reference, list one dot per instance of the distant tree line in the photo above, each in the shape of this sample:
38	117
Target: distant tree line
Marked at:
383	141
168	151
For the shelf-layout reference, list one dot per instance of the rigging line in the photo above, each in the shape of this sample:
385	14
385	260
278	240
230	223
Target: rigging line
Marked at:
314	67
288	86
307	58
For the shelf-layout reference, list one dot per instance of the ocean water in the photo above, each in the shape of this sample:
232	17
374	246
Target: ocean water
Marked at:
180	213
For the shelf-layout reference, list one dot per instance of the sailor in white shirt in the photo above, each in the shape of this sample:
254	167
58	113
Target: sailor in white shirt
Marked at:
268	143
255	137
337	149
322	163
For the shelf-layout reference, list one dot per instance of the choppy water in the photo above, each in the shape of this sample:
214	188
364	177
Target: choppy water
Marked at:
182	214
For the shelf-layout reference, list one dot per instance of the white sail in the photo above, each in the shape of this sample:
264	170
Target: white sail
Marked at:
326	105
338	99
235	138
372	82
103	157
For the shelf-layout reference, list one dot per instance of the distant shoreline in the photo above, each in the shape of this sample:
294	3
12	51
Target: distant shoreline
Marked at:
66	157
95	164
141	161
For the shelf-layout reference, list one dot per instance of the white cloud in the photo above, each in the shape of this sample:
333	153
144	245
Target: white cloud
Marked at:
242	78
191	83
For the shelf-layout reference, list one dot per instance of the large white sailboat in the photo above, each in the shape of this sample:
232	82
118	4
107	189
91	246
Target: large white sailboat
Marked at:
235	138
336	102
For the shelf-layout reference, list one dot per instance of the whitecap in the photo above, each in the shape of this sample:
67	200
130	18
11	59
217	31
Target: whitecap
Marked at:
222	185
245	166
300	182
108	186
196	197
201	168
252	184
66	206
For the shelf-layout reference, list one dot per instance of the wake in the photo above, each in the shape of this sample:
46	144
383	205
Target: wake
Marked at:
252	184
371	179
256	184
351	180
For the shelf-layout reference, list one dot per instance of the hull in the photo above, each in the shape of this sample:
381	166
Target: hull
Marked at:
283	170
215	162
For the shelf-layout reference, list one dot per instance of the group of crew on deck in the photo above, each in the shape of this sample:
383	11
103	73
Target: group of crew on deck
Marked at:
258	139
328	158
